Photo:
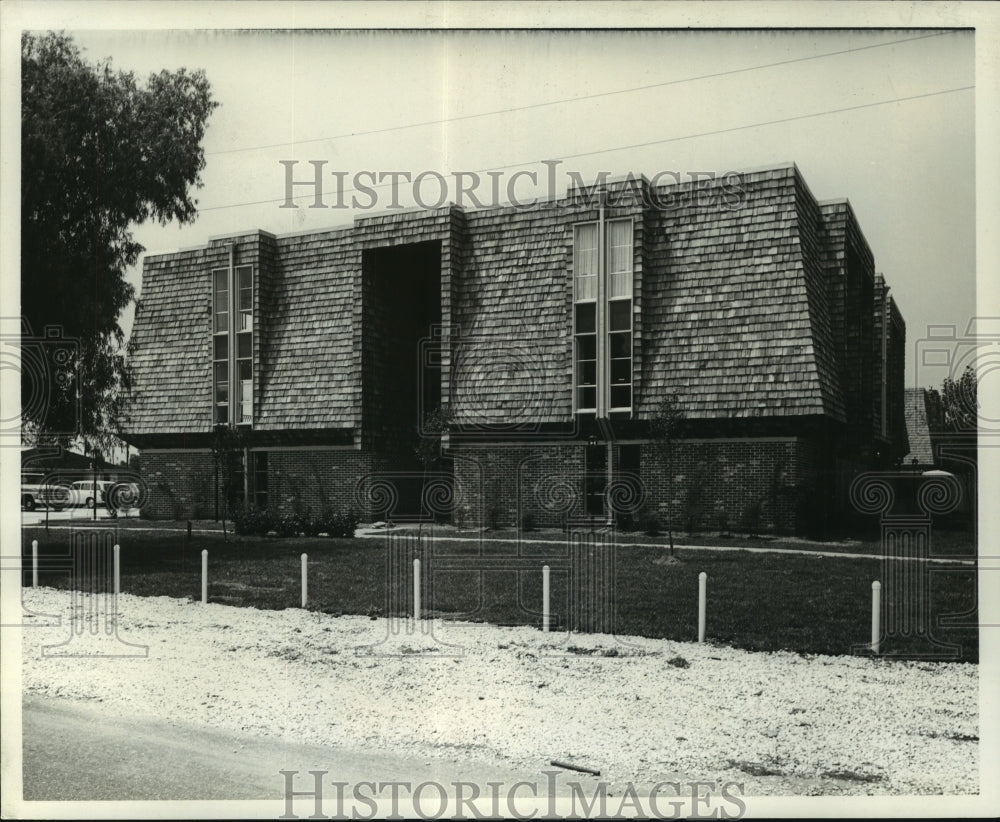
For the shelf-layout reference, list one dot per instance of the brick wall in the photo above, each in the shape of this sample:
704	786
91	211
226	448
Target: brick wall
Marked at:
771	485
497	485
774	485
744	485
181	484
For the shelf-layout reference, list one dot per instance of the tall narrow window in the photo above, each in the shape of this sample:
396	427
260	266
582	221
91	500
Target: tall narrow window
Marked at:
586	269
602	316
596	484
619	262
244	345
260	479
220	345
232	345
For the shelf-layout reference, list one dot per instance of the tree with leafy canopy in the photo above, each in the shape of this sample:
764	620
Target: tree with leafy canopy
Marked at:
100	153
956	406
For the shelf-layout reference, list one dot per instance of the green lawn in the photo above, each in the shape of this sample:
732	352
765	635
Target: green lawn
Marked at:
809	604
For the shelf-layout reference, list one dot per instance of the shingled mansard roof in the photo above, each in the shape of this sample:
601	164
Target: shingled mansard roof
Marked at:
736	310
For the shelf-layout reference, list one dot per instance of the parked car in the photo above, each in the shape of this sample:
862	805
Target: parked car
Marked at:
82	492
32	492
35	491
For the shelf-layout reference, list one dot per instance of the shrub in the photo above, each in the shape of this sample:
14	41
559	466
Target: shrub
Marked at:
311	526
628	522
290	525
752	516
493	518
260	522
651	525
253	521
337	525
721	518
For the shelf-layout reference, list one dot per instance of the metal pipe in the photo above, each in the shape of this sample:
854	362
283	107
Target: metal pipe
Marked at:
545	599
416	589
702	604
876	615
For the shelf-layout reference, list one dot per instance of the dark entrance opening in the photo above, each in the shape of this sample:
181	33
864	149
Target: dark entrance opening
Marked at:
402	383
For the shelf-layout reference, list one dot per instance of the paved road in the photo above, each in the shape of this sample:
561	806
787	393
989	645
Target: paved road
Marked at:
88	751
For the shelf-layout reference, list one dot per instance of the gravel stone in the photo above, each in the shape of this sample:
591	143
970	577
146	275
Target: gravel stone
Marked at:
778	722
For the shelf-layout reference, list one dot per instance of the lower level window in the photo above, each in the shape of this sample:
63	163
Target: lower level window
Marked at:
260	479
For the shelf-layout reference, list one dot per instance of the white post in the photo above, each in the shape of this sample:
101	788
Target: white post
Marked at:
416	589
204	576
305	580
545	598
118	569
702	592
34	563
876	615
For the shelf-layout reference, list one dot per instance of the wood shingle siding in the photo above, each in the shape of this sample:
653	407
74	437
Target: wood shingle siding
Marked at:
736	298
748	306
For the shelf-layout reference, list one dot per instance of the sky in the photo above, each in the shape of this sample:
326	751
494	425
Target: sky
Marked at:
682	102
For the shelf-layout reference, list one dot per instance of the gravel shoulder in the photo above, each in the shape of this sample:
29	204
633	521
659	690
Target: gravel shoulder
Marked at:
640	710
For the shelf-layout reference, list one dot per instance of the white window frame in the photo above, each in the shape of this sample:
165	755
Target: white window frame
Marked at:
235	414
602	323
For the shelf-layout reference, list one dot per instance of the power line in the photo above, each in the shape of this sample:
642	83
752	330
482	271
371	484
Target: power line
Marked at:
639	145
569	99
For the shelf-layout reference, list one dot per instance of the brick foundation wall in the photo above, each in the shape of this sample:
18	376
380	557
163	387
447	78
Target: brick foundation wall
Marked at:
181	483
497	485
769	485
313	482
773	485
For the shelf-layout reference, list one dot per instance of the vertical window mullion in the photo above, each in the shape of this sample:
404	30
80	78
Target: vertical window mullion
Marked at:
221	322
619	261
244	339
586	265
233	323
602	374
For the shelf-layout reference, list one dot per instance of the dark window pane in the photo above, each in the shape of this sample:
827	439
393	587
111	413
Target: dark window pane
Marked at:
260	472
586	398
244	346
595	461
586	347
221	321
620	315
587	372
628	459
222	413
220	279
621	396
586	318
621	345
221	348
221	372
245	274
621	371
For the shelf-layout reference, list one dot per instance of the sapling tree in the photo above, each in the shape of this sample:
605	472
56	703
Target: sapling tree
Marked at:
666	425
